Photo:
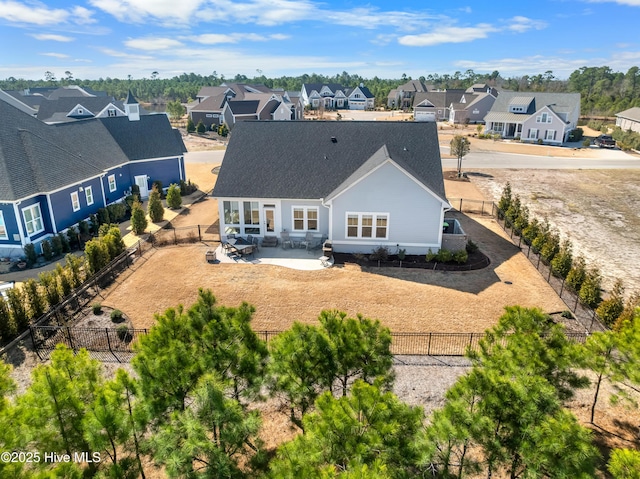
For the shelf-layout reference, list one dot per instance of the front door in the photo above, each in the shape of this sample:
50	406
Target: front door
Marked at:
269	220
142	183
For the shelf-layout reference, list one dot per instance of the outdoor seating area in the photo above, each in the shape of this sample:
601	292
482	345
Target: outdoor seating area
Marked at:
238	247
309	242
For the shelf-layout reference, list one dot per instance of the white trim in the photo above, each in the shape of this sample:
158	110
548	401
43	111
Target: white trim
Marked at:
374	226
31	207
4	236
305	218
75	201
21	231
115	183
359	242
51	214
87	190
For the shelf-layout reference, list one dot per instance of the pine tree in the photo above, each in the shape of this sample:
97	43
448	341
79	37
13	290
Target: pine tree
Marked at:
7	326
174	199
191	127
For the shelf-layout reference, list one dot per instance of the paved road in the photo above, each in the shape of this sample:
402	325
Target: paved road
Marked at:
491	160
608	160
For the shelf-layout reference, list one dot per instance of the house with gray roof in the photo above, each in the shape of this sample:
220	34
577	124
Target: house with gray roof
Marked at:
53	176
629	119
66	109
402	97
333	96
435	105
534	117
359	184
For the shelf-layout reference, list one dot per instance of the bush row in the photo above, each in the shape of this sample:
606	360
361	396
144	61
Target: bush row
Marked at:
557	253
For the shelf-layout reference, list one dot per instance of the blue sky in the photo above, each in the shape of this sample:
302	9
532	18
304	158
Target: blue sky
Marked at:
117	38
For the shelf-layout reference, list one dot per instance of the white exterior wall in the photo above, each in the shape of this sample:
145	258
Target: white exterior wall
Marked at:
415	214
555	124
627	124
286	214
424	115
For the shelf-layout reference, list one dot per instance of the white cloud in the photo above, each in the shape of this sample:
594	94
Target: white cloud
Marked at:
522	24
51	37
218	38
152	43
630	3
383	40
37	13
55	55
137	11
118	54
448	35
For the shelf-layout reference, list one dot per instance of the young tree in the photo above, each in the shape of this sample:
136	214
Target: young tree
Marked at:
460	146
16	301
34	299
611	308
624	464
365	428
138	218
505	199
174	199
7	325
200	128
191	127
577	274
590	291
155	208
176	110
74	267
97	255
49	282
562	261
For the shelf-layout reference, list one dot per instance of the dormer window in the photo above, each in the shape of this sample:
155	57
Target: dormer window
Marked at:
111	112
80	111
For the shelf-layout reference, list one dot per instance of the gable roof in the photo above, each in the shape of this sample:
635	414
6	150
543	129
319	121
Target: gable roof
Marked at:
310	87
439	99
559	103
417	86
36	157
630	114
57	110
365	91
298	159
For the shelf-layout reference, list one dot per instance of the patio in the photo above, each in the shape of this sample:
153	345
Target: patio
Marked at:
294	258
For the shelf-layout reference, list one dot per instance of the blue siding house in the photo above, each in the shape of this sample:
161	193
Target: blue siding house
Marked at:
52	176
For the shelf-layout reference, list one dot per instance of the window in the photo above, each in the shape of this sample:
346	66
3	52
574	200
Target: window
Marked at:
111	112
533	134
251	217
112	183
365	225
80	111
3	228
544	118
231	212
550	135
88	194
305	218
33	219
75	201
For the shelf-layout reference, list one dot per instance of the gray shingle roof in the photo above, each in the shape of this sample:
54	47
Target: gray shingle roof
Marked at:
298	159
631	114
37	158
559	102
57	110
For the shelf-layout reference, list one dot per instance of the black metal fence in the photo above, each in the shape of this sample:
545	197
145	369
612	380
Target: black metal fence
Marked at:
168	235
109	344
480	207
586	316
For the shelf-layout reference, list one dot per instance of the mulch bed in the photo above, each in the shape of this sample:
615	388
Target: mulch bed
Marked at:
477	260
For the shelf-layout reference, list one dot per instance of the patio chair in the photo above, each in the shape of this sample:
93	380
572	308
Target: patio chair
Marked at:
256	242
316	244
250	239
286	240
307	241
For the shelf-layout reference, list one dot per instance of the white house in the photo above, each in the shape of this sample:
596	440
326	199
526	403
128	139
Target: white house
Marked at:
359	184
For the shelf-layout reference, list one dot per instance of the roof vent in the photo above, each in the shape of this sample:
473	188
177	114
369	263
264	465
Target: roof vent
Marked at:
405	148
334	139
325	157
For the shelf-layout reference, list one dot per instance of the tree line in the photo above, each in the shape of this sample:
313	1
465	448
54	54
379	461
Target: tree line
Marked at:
604	92
189	406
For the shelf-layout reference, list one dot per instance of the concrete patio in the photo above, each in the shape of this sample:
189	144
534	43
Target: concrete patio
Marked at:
294	258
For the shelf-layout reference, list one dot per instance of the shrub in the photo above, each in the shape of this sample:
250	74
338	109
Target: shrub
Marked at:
611	308
83	227
104	218
444	256
94	224
74	240
576	134
531	231
567	314
116	316
123	333
117	212
190	126
17	304
138	218
74	267
223	130
471	247
505	200
34	299
551	246
155	208
7	325
49	281
461	256
200	128
590	293
97	254
157	184
577	274
381	253
64	280
586	143
56	245
431	256
113	240
30	254
64	241
174	200
47	250
561	262
186	187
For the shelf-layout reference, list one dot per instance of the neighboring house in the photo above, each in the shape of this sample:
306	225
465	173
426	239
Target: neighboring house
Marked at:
534	117
629	119
16	100
473	105
33	97
435	105
66	109
213	110
52	176
359	184
333	96
402	97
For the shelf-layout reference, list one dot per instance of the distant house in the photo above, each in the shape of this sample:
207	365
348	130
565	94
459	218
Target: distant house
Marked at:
52	176
534	117
629	119
333	96
232	102
435	105
402	97
80	108
359	184
474	104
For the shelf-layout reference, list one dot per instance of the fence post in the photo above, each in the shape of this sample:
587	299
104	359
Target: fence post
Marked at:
562	287
460	205
35	344
549	277
69	338
593	318
538	265
199	234
470	340
482	211
575	306
106	330
429	346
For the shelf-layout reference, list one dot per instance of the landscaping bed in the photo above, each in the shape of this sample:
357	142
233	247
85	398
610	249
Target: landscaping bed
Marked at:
476	260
